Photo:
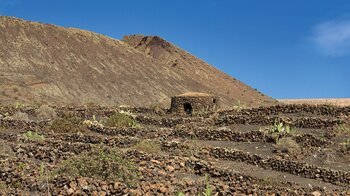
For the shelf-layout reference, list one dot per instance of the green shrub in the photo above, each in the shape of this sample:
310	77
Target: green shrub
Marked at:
33	136
121	120
101	163
148	147
68	125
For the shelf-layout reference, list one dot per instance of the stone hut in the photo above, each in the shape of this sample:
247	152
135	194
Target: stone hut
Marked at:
192	102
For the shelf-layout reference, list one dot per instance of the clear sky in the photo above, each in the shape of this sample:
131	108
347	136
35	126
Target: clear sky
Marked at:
285	49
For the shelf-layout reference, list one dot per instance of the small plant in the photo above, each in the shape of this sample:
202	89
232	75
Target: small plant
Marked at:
68	125
148	147
101	163
121	120
33	136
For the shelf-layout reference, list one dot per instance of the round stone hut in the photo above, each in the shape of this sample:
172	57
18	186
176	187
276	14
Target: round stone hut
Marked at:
194	103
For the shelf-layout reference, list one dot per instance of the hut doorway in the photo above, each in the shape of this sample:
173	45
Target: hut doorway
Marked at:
188	108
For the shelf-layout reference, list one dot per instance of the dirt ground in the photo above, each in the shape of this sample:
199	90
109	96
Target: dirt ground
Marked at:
277	150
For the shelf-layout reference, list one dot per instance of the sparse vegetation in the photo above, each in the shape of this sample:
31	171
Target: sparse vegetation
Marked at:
101	163
68	125
33	136
148	147
121	120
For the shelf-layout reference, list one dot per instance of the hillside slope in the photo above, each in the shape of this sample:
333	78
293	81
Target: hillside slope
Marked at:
48	64
187	65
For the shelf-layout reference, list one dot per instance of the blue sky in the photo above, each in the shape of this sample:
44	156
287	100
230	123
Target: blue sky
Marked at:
285	49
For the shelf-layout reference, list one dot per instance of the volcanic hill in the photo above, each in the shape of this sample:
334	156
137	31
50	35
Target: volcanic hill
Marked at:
43	63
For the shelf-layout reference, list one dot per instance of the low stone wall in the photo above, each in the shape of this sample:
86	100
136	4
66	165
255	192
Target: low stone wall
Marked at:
304	122
288	109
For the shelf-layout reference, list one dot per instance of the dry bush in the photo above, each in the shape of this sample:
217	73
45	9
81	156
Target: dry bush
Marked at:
101	163
68	125
45	112
20	116
148	147
287	145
